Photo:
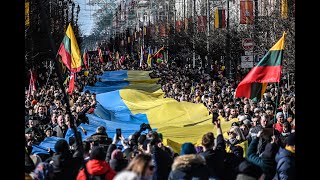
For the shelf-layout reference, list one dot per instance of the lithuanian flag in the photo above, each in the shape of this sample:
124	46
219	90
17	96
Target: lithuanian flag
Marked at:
268	70
69	51
219	18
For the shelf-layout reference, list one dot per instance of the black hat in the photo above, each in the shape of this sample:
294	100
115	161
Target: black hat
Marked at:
98	153
48	128
250	169
61	146
291	139
269	151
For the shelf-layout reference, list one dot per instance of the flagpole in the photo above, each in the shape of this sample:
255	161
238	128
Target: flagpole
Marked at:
45	21
276	107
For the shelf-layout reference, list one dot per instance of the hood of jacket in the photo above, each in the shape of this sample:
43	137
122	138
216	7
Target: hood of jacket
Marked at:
97	167
283	153
188	161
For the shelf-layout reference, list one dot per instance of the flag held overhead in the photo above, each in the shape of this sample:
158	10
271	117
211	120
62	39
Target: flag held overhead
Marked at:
268	70
69	51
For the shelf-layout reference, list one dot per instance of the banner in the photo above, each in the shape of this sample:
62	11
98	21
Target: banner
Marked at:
162	30
27	17
202	21
246	12
178	26
219	18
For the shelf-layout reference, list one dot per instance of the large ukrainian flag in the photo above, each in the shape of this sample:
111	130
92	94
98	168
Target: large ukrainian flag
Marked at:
127	99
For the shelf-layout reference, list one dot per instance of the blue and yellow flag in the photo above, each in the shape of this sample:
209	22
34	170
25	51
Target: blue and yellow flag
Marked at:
127	99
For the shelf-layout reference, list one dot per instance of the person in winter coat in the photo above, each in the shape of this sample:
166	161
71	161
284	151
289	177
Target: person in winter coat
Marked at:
266	161
285	159
214	156
97	166
65	164
189	166
117	161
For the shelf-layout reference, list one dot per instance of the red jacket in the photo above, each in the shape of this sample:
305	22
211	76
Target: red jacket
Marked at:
278	127
97	167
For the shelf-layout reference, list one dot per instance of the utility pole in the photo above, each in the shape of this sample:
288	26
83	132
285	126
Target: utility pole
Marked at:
167	51
208	35
184	14
255	28
193	34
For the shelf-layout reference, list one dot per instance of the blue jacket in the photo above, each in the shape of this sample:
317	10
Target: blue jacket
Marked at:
285	165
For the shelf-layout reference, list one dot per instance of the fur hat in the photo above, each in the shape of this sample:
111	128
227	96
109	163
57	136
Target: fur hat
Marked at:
187	148
61	146
98	153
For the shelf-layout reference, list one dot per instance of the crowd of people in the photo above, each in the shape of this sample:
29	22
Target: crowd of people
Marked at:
267	124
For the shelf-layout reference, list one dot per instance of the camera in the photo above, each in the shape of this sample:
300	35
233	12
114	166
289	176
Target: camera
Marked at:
215	116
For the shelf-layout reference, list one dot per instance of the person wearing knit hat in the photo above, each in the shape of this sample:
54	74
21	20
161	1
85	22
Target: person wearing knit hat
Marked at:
187	148
65	164
97	166
98	153
285	159
117	161
248	171
61	146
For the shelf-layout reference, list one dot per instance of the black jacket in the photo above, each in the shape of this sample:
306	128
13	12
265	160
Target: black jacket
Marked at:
215	158
163	162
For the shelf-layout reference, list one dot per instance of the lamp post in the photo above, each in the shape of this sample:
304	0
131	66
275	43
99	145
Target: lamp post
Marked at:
193	34
208	35
72	12
228	59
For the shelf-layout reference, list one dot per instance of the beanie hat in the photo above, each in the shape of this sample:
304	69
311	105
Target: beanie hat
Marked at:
117	154
187	148
291	139
61	146
98	153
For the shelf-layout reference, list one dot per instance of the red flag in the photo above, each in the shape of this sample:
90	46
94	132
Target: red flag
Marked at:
268	70
178	26
202	21
85	56
32	85
100	55
71	83
246	12
162	30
